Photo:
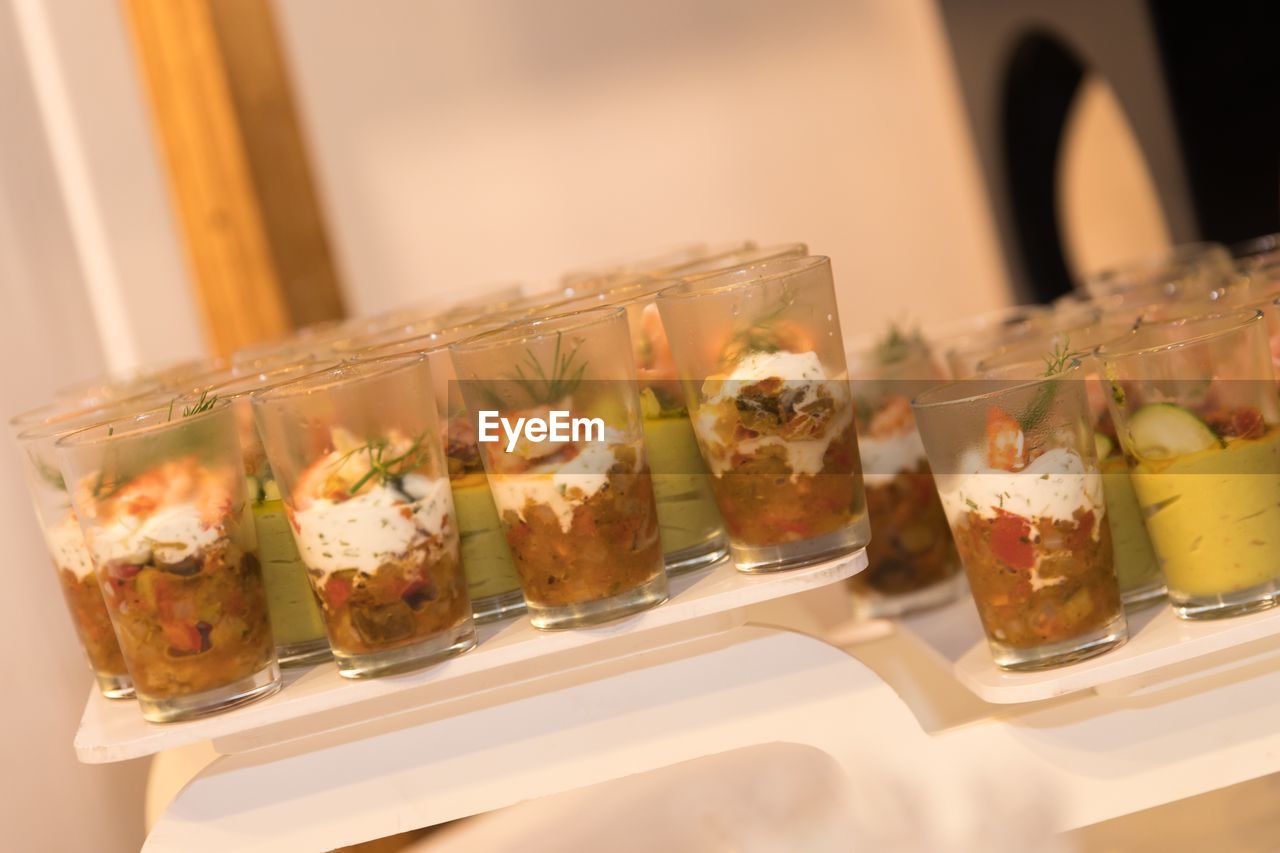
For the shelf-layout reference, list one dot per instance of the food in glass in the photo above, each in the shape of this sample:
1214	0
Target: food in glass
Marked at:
689	524
161	500
61	528
576	500
1137	567
296	622
912	561
1194	405
356	450
493	584
1018	475
760	356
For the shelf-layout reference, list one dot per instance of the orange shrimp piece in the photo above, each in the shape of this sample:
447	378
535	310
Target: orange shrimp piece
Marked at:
1005	441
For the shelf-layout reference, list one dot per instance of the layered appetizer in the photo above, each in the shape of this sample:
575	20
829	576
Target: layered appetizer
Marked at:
380	541
759	350
162	503
912	558
577	504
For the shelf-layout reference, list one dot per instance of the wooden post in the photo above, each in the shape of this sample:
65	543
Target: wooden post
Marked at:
237	166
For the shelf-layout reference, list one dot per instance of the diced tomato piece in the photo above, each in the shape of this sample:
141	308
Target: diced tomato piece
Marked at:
183	637
336	592
1242	422
1011	540
1005	441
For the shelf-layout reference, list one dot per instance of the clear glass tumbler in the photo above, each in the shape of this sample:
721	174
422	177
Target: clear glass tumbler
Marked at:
161	500
912	560
1018	475
493	583
1138	569
296	621
362	474
559	429
762	363
1194	403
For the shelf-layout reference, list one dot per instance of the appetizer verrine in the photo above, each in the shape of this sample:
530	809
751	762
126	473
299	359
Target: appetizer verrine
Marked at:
357	451
760	356
492	581
161	499
912	561
576	500
1018	475
1195	410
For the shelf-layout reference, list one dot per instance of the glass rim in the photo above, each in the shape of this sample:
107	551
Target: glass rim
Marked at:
1018	352
1228	321
139	424
925	399
339	374
526	330
373	353
62	422
770	270
265	379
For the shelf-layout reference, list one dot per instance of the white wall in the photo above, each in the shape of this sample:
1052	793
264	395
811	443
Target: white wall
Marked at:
48	802
459	144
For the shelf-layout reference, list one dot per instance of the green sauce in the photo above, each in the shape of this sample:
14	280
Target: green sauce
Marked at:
295	616
1135	560
687	514
485	556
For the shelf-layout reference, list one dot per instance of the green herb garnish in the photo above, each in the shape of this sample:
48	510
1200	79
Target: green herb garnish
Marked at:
1059	359
49	473
549	386
760	336
204	404
386	469
897	344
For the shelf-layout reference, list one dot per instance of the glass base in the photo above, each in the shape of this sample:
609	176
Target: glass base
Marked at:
114	686
504	605
696	557
634	600
262	683
1144	596
870	604
1264	596
304	654
1104	639
434	649
795	555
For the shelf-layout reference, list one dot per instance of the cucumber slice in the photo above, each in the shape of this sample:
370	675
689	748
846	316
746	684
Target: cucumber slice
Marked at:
1163	431
1103	444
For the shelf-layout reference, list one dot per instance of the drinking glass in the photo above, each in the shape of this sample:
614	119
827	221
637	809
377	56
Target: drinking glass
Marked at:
356	451
1137	567
65	541
577	502
1194	403
912	561
296	621
1018	475
161	500
493	584
762	364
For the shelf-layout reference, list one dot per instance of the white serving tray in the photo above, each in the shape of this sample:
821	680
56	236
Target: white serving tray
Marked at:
317	699
1162	651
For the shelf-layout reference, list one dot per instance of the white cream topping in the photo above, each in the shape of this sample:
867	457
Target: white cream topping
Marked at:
885	458
1055	485
67	547
799	370
169	535
561	487
374	527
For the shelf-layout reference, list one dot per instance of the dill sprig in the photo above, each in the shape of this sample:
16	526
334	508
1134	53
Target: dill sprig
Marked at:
760	335
49	473
385	469
544	387
204	404
1061	357
897	344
